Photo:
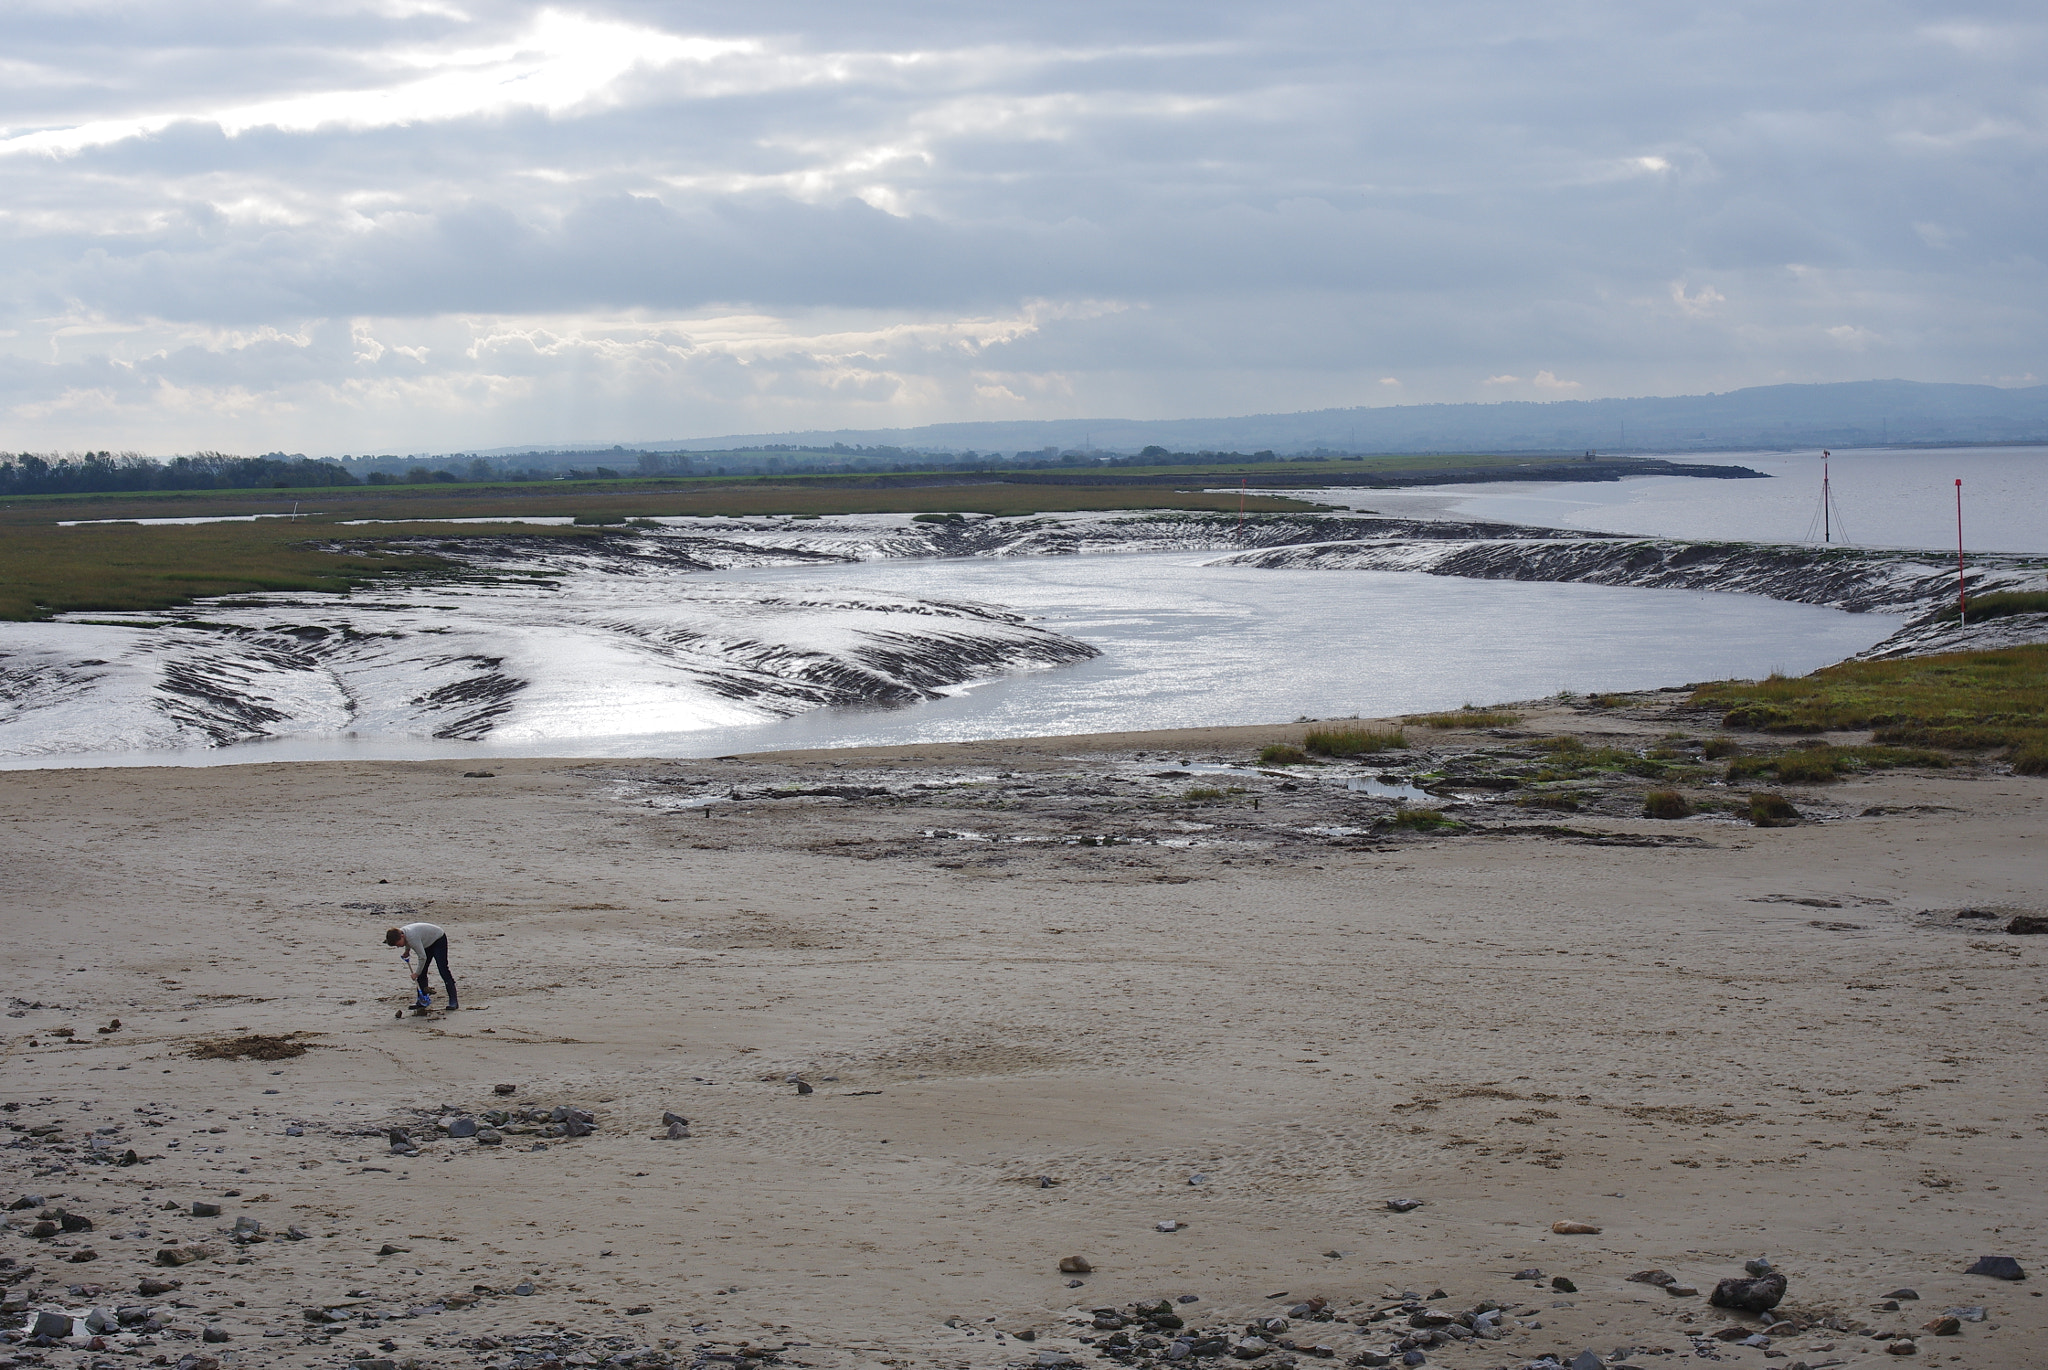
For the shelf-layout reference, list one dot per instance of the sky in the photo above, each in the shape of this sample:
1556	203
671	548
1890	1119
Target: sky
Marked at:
436	225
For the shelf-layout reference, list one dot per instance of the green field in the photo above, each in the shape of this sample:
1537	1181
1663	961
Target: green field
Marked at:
45	569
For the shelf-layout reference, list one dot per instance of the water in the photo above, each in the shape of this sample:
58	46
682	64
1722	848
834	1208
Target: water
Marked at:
1886	499
1186	645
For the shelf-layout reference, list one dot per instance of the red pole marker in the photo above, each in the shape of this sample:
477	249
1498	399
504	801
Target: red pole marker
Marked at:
1962	605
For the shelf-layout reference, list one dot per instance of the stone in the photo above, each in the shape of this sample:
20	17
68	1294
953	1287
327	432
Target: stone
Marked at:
389	1249
1732	1332
374	1365
1902	1348
202	1209
1075	1265
1404	1205
1998	1268
575	1127
185	1255
677	1132
45	1228
248	1227
215	1334
522	1289
804	1087
505	1089
1781	1329
1168	1226
1532	1273
74	1222
1758	1295
1759	1266
1682	1291
489	1136
296	1234
52	1325
198	1363
102	1320
25	1202
1414	1358
295	1131
1944	1327
1198	1179
1903	1294
81	1257
1974	1313
463	1127
675	1120
1586	1360
1563	1285
1656	1277
2027	924
1572	1229
151	1287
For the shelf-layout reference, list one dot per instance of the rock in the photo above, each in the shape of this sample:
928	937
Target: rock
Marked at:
505	1089
1656	1277
1760	1266
1371	1358
803	1087
489	1136
52	1325
1902	1348
1998	1268
151	1287
198	1363
1404	1205
463	1127
388	1249
574	1126
1586	1360
45	1228
1889	1306
1781	1329
295	1131
215	1334
1168	1226
295	1234
25	1202
102	1320
374	1365
1975	1313
675	1120
1758	1295
1682	1291
676	1132
74	1222
401	1142
1532	1273
1563	1285
1075	1265
248	1227
2027	924
639	1308
81	1257
201	1209
185	1255
1046	1182
522	1289
1414	1358
1572	1229
1903	1294
1198	1179
1944	1327
1732	1332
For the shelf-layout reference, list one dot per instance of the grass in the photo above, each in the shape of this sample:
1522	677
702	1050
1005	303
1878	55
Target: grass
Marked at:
1205	794
1772	811
1282	754
1422	820
1353	741
53	570
1820	764
1666	804
2002	604
1958	701
1467	717
1561	803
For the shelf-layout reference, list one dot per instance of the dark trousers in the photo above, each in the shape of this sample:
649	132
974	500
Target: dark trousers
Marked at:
437	955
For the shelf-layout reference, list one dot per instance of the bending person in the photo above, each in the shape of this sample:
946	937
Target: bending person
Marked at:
430	943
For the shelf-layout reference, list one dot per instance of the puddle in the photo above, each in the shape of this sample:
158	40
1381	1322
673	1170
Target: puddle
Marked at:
1380	789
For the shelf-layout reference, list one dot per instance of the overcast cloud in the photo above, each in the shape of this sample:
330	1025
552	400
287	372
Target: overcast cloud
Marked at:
420	226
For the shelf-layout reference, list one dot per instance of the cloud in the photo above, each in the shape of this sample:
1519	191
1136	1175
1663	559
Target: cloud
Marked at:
248	225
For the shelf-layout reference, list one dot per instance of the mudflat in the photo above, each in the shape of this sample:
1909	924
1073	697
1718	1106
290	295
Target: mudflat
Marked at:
1046	997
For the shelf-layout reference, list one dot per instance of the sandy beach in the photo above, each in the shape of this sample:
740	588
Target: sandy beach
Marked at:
1044	1003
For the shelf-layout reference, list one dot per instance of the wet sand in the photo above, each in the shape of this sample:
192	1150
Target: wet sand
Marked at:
1713	1041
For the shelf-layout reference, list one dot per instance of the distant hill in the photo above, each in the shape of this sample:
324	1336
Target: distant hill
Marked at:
1849	414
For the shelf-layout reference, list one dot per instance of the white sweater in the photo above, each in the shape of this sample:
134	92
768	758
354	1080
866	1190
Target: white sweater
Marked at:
418	937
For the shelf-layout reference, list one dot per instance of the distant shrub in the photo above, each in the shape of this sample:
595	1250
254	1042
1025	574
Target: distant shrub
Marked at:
1201	793
1666	804
1772	811
1819	763
1717	747
1353	741
1607	701
2030	757
1282	754
1566	743
1422	820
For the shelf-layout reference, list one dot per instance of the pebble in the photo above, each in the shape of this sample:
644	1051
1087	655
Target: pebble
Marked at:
1572	1229
1903	1294
1758	1295
489	1136
215	1334
1760	1265
1902	1348
1532	1273
1974	1313
201	1209
505	1089
1168	1226
1404	1205
1944	1327
1075	1265
1563	1285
